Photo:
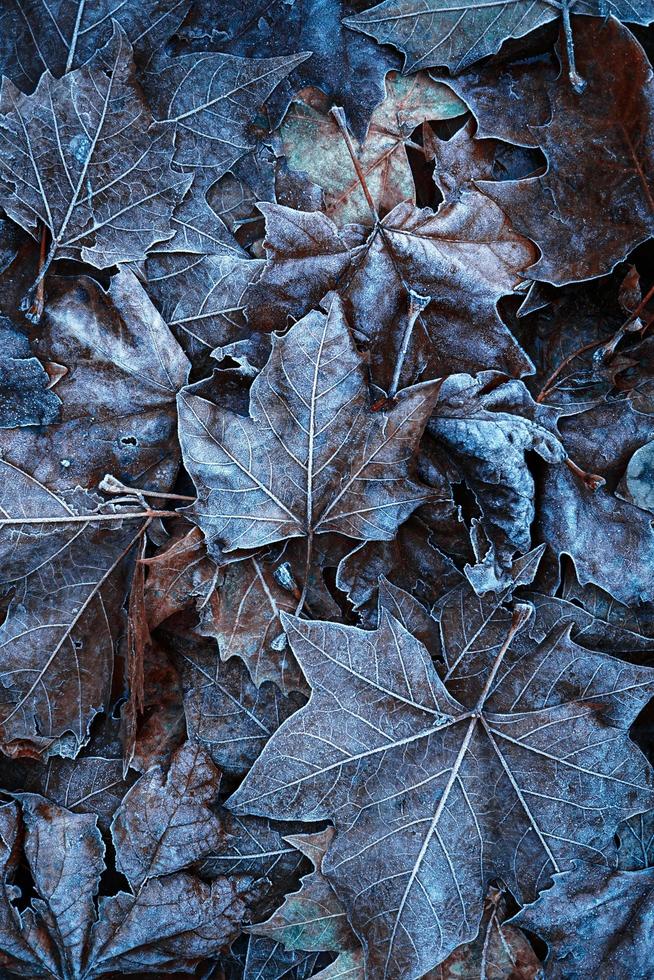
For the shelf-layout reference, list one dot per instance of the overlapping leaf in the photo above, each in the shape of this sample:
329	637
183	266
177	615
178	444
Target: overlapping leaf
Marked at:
311	456
404	769
80	158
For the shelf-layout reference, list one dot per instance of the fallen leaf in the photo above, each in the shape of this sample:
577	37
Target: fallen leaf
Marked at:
378	703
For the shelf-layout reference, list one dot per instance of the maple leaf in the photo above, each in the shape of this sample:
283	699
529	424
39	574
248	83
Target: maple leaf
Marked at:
595	528
347	67
500	950
62	35
257	849
462	790
122	359
434	273
310	457
169	918
313	144
611	910
211	100
431	33
243	615
411	561
225	712
615	175
63	571
81	158
203	297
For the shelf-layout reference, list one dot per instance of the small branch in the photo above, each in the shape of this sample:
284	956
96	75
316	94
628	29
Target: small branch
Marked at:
610	345
109	484
88	518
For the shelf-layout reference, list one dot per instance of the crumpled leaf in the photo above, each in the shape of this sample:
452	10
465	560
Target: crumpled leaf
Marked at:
404	770
210	101
122	360
613	115
310	456
62	35
594	919
486	425
312	143
81	158
433	32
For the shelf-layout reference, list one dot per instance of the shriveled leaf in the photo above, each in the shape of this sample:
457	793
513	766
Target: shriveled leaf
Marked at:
164	822
242	614
65	575
486	426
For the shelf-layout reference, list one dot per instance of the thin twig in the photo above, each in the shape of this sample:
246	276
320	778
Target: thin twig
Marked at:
88	518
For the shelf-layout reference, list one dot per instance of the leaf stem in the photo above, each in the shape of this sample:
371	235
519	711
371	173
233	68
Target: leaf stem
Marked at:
577	82
417	304
341	122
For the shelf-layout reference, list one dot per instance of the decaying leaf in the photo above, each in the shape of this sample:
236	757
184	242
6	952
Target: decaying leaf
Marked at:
313	143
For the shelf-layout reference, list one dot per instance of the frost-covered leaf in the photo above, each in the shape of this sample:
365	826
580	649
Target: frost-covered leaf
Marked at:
210	101
80	156
225	712
121	359
436	32
313	144
63	571
595	922
432	797
311	455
